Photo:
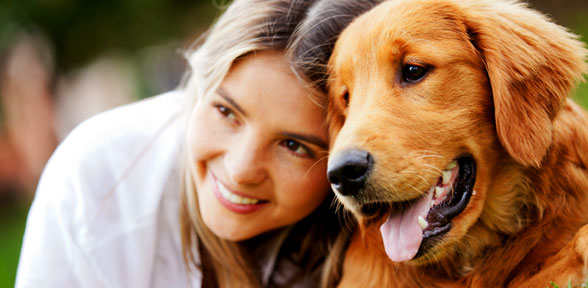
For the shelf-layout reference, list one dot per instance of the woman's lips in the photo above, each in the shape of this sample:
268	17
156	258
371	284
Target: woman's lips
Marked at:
233	202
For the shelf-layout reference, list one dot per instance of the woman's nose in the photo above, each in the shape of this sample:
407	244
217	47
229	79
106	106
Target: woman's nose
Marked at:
245	161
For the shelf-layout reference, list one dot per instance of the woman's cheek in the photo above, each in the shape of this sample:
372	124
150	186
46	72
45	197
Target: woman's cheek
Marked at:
205	134
309	186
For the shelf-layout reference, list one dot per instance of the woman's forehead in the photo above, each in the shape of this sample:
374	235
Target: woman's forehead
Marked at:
264	87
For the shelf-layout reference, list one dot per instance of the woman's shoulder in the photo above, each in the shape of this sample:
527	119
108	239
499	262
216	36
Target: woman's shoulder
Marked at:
118	150
110	191
142	118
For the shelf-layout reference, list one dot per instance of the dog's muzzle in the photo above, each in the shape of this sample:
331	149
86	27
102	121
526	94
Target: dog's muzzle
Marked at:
348	171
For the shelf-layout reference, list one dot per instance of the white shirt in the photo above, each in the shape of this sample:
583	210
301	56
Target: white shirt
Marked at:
105	213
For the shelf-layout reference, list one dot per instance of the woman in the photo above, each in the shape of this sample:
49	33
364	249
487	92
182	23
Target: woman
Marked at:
221	184
259	157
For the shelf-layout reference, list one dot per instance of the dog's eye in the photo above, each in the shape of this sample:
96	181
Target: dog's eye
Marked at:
346	98
412	73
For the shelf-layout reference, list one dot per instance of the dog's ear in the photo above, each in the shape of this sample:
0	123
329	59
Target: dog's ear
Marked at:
532	64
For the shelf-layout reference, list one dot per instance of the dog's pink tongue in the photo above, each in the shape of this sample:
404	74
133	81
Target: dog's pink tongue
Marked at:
402	233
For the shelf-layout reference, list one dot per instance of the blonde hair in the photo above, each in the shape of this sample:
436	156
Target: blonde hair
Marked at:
245	27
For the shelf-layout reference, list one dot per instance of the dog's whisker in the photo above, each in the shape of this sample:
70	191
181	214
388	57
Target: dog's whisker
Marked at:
423	178
429	156
414	188
350	223
425	154
315	163
433	173
427	171
418	153
433	167
337	205
334	203
387	187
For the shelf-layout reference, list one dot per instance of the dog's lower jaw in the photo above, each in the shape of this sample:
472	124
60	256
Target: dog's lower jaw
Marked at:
404	240
456	266
453	269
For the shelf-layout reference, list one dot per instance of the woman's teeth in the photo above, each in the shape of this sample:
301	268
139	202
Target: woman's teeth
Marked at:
233	198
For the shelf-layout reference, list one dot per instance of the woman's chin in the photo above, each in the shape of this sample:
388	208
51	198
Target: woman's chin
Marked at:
232	232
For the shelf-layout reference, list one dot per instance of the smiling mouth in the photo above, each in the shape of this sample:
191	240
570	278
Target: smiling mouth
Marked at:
234	198
413	227
236	203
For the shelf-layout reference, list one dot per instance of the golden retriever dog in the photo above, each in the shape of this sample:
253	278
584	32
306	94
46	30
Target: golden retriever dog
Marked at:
456	147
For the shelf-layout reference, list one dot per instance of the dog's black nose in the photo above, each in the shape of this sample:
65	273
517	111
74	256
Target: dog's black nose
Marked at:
348	172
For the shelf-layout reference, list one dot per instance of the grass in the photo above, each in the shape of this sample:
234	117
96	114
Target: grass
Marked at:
557	286
569	284
580	93
12	224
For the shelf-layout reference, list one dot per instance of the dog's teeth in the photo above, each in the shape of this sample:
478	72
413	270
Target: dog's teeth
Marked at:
474	192
446	176
452	165
438	192
422	222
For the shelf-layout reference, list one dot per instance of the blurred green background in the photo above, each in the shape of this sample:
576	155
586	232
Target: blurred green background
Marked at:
51	50
59	58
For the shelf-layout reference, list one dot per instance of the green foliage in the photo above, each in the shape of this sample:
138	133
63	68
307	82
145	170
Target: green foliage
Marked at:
81	30
569	284
557	286
580	94
12	224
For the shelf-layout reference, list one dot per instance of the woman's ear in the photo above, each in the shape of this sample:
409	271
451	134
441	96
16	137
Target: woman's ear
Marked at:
532	64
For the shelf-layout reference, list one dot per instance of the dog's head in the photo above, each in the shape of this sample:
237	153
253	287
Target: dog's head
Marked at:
429	101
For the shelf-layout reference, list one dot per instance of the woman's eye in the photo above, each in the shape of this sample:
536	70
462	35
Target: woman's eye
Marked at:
297	148
225	111
413	73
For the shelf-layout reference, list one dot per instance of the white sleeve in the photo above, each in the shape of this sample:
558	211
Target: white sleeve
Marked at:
50	256
94	221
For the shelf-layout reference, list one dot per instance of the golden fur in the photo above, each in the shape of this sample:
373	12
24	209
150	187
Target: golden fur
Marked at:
497	90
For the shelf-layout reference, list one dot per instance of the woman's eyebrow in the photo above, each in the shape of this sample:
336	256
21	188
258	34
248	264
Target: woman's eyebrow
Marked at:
222	93
307	138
